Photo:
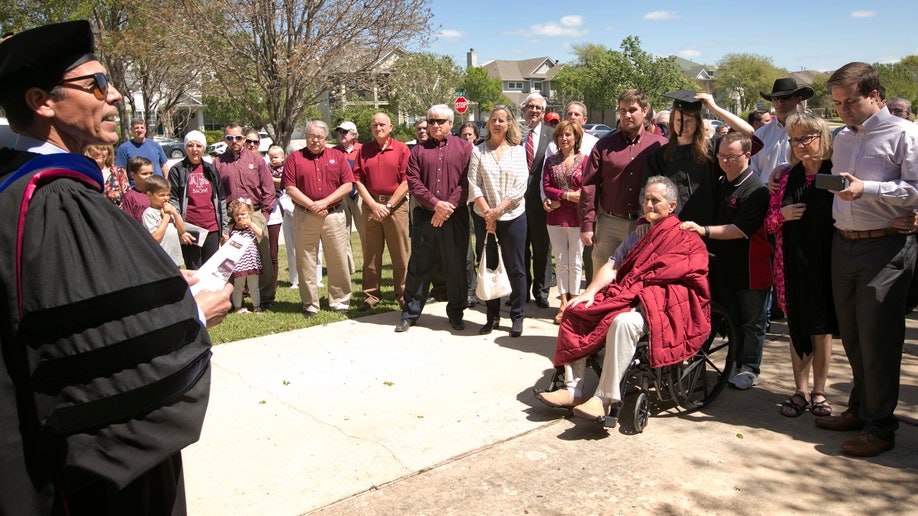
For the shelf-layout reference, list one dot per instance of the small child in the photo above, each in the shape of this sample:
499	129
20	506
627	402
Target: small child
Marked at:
248	268
163	221
135	201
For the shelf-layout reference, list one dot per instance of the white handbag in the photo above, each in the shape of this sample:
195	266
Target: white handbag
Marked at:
492	283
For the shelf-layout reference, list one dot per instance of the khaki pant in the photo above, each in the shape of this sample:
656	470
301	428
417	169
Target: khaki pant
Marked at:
392	233
308	230
609	232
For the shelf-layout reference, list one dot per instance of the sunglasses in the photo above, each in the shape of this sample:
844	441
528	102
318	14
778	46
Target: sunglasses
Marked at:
233	137
99	87
436	121
252	142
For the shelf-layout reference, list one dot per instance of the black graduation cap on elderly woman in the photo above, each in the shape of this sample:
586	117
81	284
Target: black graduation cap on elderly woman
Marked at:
684	101
39	57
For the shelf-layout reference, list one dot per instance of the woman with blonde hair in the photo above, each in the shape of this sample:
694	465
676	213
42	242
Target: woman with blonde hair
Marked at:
115	178
498	177
800	217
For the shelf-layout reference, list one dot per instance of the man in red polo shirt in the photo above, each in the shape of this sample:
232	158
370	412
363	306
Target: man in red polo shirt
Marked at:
317	179
380	174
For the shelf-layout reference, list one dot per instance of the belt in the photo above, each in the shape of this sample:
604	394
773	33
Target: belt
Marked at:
256	207
382	198
626	216
873	233
331	209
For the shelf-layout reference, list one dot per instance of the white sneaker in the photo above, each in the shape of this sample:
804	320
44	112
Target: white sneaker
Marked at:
745	379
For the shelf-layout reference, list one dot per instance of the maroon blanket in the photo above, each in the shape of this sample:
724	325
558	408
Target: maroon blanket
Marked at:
667	272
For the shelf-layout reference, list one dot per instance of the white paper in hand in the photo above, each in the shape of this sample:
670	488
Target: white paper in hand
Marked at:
214	274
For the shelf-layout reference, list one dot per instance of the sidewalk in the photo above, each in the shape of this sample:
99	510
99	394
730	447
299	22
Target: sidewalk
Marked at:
352	418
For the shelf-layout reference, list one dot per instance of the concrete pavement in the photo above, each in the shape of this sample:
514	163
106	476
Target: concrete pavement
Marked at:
352	418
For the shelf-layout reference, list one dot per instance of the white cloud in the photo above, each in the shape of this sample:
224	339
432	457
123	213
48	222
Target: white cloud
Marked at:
689	53
569	27
863	14
450	35
572	20
661	15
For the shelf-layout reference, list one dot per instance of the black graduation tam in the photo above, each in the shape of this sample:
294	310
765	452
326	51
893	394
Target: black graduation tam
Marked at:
684	100
39	57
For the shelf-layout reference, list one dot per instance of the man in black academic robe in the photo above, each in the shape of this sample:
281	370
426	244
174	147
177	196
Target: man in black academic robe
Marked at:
105	368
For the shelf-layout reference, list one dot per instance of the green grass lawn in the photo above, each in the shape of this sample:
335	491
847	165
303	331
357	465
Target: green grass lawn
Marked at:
287	313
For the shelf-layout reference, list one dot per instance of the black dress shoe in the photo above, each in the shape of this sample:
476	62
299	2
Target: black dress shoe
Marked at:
542	302
488	326
403	325
516	329
457	324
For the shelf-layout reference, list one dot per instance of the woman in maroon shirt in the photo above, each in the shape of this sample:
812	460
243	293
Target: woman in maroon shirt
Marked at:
561	177
197	193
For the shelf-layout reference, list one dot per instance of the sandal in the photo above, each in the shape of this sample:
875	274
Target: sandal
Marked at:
794	406
820	408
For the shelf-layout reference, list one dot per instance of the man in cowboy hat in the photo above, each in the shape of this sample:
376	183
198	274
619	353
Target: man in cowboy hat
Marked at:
785	96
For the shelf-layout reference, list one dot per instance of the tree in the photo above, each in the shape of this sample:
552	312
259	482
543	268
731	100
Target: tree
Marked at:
421	79
821	98
483	89
601	74
900	79
289	54
743	76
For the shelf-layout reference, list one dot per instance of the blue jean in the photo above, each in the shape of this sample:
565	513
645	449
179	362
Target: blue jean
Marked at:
747	309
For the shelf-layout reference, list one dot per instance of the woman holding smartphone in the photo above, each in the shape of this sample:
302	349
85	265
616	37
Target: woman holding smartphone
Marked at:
800	216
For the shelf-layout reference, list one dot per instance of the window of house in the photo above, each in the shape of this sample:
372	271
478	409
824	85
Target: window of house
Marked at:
514	85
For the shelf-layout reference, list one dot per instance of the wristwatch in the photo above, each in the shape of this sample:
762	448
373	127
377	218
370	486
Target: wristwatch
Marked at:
388	205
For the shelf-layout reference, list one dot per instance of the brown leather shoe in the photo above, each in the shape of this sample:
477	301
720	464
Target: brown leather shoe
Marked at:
866	445
593	409
561	398
842	422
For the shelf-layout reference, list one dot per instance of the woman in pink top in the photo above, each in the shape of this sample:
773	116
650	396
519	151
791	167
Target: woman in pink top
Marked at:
561	178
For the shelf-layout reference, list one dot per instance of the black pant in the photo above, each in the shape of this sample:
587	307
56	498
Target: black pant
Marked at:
538	250
452	239
870	279
511	235
195	256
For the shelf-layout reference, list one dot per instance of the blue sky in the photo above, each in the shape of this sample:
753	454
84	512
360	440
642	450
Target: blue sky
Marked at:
813	35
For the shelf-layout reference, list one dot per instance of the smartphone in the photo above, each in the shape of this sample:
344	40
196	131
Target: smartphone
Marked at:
831	182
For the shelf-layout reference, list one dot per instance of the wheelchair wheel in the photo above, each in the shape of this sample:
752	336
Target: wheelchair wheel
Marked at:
634	412
697	381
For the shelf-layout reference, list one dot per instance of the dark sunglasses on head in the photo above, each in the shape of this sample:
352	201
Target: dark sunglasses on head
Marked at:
99	87
233	137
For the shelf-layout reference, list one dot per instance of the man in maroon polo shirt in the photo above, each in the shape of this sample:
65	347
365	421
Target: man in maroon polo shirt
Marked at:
610	200
317	179
245	174
379	170
438	171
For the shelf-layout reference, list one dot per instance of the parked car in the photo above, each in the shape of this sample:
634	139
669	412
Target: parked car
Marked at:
265	143
7	136
173	148
598	130
216	149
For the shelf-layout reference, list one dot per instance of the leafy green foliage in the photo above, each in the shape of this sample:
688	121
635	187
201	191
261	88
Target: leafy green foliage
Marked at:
601	74
900	79
360	115
421	79
745	75
483	89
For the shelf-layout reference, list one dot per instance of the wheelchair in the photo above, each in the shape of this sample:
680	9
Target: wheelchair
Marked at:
684	387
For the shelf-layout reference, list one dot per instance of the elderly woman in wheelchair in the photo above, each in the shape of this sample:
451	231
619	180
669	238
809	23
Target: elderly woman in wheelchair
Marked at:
657	280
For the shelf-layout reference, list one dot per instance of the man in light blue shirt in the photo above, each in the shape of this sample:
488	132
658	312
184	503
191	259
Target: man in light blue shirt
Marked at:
139	145
873	254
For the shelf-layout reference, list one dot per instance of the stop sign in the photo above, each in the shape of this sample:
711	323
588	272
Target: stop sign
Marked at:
462	104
